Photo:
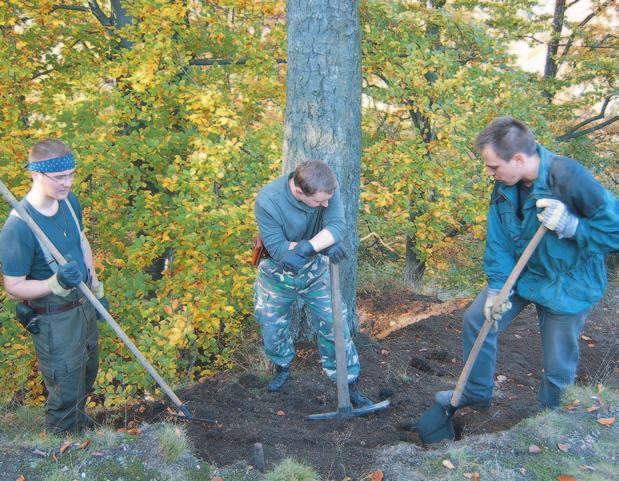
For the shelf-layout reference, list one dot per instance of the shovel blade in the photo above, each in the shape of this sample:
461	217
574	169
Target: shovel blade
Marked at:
436	424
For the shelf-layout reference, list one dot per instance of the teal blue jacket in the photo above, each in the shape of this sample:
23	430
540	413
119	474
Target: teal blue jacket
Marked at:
564	275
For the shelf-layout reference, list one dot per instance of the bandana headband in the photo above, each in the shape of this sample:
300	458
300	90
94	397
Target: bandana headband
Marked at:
57	164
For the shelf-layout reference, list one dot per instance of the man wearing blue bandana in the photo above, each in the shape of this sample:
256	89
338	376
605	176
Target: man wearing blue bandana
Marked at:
566	274
66	335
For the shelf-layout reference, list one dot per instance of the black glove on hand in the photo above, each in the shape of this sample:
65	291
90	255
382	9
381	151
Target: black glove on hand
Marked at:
336	253
296	258
69	275
105	303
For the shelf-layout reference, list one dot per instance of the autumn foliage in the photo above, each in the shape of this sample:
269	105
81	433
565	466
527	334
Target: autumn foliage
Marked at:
175	115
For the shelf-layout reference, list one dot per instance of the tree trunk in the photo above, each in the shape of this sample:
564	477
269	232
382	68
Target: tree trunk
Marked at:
323	107
414	268
551	66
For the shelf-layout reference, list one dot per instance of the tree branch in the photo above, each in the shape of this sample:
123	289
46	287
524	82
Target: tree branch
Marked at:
62	6
224	61
584	22
92	8
575	132
99	15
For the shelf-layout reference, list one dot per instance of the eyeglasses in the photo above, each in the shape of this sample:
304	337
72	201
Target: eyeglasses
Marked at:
61	178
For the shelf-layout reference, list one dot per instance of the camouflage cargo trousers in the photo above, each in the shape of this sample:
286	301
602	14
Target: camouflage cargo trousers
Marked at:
276	291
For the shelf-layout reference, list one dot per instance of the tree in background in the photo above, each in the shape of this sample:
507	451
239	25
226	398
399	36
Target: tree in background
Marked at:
323	106
174	109
435	73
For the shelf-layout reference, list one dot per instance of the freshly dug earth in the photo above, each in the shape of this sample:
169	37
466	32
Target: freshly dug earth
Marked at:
408	367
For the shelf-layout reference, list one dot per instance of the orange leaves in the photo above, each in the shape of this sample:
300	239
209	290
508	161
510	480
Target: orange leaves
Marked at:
474	476
606	421
377	476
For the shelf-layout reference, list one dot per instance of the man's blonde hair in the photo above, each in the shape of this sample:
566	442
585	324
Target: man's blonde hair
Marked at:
48	149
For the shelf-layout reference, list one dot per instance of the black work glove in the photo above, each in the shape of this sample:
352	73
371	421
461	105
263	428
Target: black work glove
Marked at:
105	303
296	258
69	275
336	252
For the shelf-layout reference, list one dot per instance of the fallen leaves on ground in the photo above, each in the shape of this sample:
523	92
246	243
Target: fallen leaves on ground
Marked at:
131	431
606	421
64	447
377	476
85	444
593	409
281	413
475	476
573	405
565	477
448	464
563	447
534	449
20	478
217	478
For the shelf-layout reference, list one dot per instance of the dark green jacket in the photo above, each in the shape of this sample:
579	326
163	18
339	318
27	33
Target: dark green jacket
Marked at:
564	275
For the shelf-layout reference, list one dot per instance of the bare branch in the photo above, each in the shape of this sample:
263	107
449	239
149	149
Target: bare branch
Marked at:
574	134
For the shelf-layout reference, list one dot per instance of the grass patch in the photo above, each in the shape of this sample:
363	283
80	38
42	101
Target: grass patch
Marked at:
570	439
291	470
171	441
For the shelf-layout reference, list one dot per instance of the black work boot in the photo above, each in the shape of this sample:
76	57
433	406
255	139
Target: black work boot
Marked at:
356	397
282	374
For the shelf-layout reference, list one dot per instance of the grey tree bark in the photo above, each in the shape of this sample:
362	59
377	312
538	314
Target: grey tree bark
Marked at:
323	106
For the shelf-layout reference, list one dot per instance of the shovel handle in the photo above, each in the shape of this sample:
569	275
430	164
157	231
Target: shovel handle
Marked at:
501	296
343	395
25	216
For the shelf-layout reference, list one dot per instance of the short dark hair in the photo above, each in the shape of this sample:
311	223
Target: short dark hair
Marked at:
314	176
48	149
507	136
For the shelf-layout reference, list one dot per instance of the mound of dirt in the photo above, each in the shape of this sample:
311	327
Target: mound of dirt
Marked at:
408	367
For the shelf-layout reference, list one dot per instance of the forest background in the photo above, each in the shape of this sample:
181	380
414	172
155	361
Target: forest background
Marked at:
175	110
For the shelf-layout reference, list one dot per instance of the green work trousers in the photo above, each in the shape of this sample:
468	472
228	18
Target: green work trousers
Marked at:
68	353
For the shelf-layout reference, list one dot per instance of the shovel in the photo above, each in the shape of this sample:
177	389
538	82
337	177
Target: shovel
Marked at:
344	406
436	423
25	216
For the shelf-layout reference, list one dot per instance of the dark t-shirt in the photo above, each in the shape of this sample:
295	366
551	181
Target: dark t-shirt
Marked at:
20	252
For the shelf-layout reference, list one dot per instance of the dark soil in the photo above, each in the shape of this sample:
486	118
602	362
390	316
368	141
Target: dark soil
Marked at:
407	367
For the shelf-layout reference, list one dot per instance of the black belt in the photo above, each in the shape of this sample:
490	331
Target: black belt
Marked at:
57	308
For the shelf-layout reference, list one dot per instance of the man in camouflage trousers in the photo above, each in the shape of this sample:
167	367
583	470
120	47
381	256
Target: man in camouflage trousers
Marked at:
299	216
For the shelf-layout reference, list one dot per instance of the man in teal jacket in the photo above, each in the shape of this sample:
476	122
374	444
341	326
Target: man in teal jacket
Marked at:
299	216
566	274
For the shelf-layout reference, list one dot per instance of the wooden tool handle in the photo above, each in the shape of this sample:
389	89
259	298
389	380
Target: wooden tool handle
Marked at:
501	297
25	216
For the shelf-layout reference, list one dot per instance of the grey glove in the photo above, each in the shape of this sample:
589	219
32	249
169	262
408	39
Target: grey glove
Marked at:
68	276
336	252
296	258
495	313
557	217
